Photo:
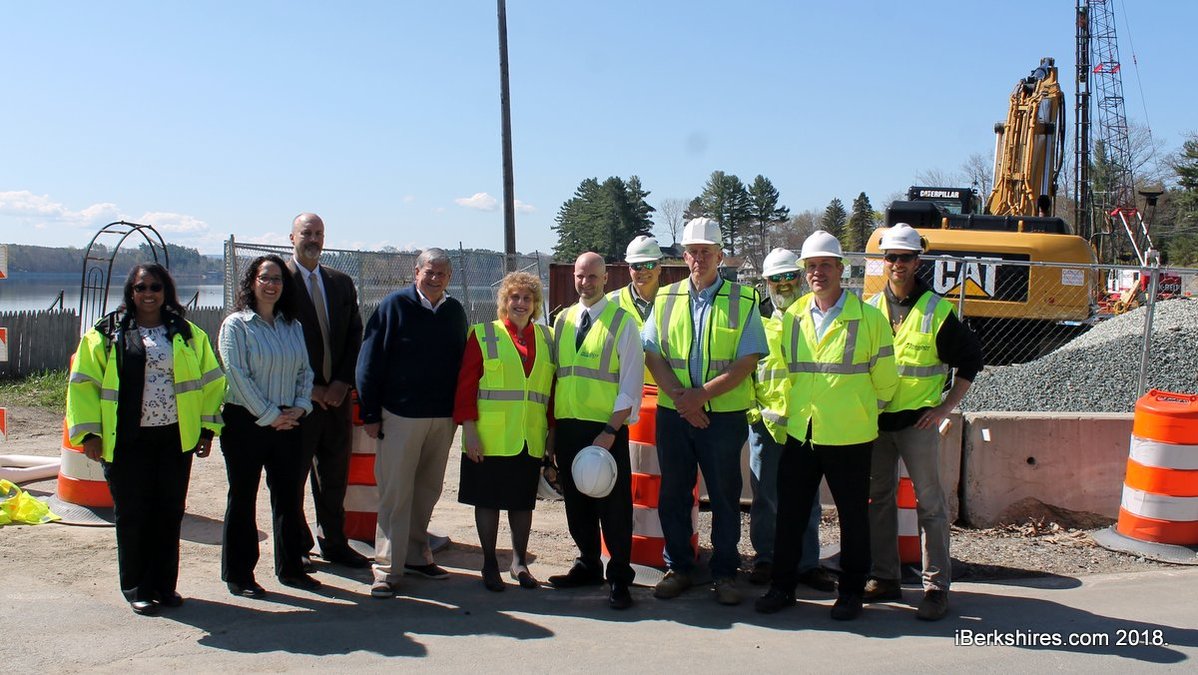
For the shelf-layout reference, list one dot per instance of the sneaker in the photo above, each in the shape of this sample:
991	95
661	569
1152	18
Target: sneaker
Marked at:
774	600
934	605
429	571
382	589
818	578
726	592
883	590
761	573
672	585
847	607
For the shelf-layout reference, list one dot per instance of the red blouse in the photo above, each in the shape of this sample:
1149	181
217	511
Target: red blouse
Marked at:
465	401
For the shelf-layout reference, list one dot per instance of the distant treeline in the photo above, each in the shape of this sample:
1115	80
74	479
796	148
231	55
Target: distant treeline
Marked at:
27	259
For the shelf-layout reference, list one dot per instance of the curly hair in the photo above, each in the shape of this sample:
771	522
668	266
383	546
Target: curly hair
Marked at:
245	289
170	296
522	280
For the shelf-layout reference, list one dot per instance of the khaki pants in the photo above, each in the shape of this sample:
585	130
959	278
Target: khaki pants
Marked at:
409	467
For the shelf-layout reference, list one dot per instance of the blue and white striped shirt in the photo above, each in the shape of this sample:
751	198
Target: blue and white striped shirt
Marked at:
266	366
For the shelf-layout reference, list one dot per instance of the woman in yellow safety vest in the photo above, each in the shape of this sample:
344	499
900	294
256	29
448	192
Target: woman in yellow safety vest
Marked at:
143	397
502	403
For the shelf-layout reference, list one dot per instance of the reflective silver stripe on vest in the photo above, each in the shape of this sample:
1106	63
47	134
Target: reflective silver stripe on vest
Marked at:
922	371
929	312
663	332
717	366
500	394
771	374
780	420
830	368
190	385
588	373
538	397
850	340
733	304
211	376
882	404
885	350
548	337
86	428
212	419
609	347
84	378
109	394
491	339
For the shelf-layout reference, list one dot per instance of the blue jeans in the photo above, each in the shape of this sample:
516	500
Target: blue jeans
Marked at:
682	450
764	453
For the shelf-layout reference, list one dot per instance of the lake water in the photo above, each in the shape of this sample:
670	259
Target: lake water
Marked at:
23	294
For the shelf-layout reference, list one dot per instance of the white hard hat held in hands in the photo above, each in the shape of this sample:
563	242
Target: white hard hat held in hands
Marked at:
702	231
594	471
821	244
642	249
901	237
779	261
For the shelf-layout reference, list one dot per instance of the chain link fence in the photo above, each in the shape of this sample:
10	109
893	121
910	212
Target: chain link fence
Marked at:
376	274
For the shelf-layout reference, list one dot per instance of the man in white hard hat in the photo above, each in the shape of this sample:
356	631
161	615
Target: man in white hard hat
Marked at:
928	341
600	375
767	433
702	343
643	256
840	355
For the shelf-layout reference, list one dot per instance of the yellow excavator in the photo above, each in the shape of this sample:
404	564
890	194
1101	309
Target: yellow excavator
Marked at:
1018	311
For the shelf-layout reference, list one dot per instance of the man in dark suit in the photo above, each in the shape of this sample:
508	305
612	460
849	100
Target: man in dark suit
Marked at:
327	308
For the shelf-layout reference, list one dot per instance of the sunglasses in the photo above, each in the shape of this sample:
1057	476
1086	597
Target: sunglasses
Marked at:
637	267
785	276
900	257
142	288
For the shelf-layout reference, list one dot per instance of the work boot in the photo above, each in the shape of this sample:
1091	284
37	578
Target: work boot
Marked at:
818	578
761	572
883	590
934	605
726	592
774	600
672	585
847	607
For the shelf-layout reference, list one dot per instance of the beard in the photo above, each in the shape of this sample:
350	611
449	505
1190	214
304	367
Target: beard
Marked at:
783	300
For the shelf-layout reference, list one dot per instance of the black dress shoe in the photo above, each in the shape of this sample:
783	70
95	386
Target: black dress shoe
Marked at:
493	582
249	589
774	600
620	598
300	581
171	599
818	578
577	577
306	564
847	608
347	558
144	607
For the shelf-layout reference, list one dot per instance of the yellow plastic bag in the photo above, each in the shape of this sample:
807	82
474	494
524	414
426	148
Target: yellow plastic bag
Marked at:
18	507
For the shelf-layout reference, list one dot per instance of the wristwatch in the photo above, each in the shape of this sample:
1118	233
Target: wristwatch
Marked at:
609	429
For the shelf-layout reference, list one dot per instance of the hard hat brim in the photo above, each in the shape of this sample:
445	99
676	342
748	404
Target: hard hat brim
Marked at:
640	258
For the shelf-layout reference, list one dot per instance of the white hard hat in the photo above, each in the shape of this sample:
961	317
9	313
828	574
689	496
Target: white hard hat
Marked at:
901	237
779	261
642	249
594	471
821	244
702	231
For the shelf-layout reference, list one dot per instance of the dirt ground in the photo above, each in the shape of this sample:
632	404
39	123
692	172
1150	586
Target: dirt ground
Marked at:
1041	543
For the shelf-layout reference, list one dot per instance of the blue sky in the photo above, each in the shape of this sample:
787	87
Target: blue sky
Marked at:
216	118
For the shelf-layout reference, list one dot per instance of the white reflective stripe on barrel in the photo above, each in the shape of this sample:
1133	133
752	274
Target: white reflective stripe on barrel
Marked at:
908	523
643	458
362	498
362	443
77	465
903	470
1164	455
646	522
1159	507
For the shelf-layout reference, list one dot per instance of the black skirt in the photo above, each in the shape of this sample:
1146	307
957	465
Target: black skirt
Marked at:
507	483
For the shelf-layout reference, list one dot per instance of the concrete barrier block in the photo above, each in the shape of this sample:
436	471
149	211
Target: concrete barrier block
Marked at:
1075	461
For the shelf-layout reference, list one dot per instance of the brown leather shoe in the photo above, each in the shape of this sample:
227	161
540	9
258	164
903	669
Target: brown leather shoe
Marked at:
883	590
934	605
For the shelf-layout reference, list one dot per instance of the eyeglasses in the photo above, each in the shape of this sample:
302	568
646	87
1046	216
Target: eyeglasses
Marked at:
900	257
637	267
142	288
785	276
270	280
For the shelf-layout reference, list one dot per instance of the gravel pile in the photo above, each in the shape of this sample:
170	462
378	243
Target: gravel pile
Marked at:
1098	371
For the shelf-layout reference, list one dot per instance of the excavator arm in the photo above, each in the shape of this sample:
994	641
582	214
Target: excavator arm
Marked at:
1030	146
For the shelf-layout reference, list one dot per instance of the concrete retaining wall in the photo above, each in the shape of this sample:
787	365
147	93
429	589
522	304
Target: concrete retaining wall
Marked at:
1070	460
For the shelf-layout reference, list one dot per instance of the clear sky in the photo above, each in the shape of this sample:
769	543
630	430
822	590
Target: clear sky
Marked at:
214	118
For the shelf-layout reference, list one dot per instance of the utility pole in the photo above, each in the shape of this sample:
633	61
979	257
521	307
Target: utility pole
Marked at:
505	104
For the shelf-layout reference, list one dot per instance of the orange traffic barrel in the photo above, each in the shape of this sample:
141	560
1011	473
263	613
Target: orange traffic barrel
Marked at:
81	480
1160	489
361	492
648	541
909	549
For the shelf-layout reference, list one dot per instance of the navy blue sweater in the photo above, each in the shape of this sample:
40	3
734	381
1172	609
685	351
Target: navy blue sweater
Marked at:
410	357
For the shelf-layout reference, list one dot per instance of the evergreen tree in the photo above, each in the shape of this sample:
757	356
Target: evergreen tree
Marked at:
694	209
602	217
764	215
834	218
860	225
726	200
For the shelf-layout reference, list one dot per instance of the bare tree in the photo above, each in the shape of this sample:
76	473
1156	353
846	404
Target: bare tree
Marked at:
979	173
799	227
672	212
937	178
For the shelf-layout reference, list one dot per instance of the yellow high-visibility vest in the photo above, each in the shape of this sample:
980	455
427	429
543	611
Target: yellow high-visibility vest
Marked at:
772	382
512	408
838	384
588	378
921	372
725	325
623	297
94	383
